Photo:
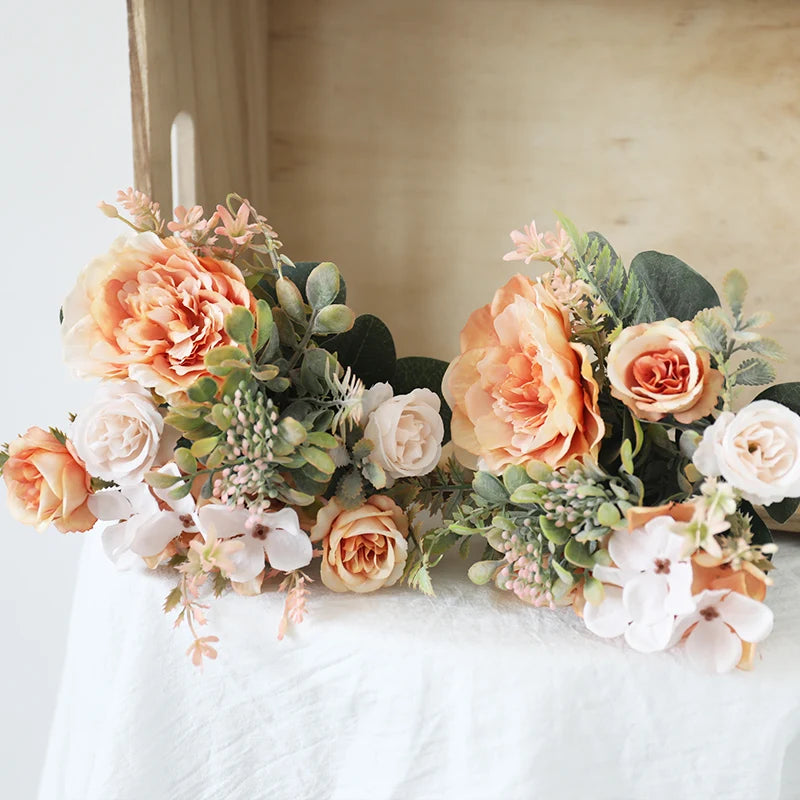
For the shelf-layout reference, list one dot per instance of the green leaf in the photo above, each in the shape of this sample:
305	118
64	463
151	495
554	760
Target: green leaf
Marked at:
489	488
375	474
292	431
202	390
754	372
593	590
266	373
787	394
263	323
318	459
515	476
711	329
333	319
481	572
783	511
362	449
322	285
674	288
766	347
420	372
527	494
299	274
761	533
367	348
172	599
734	287
322	439
553	533
202	447
350	491
224	354
578	554
185	460
290	299
240	325
160	480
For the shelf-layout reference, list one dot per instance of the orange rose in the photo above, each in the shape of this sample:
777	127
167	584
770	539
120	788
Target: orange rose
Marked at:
150	310
520	390
659	368
365	548
47	483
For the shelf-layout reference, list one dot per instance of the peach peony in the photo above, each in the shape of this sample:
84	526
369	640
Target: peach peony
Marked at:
658	368
520	390
365	548
47	483
150	310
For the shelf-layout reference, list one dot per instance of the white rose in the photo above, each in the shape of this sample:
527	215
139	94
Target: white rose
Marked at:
119	434
756	450
406	432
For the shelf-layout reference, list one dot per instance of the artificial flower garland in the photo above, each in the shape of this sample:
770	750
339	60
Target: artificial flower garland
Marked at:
248	422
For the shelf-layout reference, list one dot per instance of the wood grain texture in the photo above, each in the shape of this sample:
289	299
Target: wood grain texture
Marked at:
403	140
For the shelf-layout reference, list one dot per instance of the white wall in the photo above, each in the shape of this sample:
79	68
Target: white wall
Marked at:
65	143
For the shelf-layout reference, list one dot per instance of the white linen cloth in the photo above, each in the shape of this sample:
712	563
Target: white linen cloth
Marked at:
395	695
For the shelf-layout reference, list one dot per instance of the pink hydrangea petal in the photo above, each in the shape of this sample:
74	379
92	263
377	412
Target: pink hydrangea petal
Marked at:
222	521
249	561
154	533
645	598
609	619
751	620
650	638
288	549
713	647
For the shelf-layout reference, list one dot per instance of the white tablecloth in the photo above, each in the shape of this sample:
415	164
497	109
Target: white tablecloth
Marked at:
395	695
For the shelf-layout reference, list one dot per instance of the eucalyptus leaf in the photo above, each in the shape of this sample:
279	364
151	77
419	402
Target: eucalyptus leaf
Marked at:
322	285
787	394
367	348
489	488
299	273
783	511
290	299
673	288
333	319
240	324
263	323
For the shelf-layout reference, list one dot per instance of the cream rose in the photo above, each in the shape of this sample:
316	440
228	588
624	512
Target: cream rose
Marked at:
406	432
364	549
756	450
659	368
119	434
149	310
47	483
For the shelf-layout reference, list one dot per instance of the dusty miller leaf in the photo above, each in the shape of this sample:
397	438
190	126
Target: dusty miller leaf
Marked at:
734	286
754	372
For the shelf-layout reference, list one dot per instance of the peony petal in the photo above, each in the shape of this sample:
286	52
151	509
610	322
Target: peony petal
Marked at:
713	647
751	620
154	533
609	619
288	550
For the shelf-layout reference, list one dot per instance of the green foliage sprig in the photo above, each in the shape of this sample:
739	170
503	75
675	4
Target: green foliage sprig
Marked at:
727	332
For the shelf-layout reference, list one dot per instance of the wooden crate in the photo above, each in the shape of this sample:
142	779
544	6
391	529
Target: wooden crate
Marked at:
403	140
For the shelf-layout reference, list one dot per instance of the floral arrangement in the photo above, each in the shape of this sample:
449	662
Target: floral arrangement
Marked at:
247	422
231	438
599	455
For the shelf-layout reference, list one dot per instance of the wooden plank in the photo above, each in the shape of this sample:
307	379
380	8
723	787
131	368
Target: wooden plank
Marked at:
404	140
208	59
